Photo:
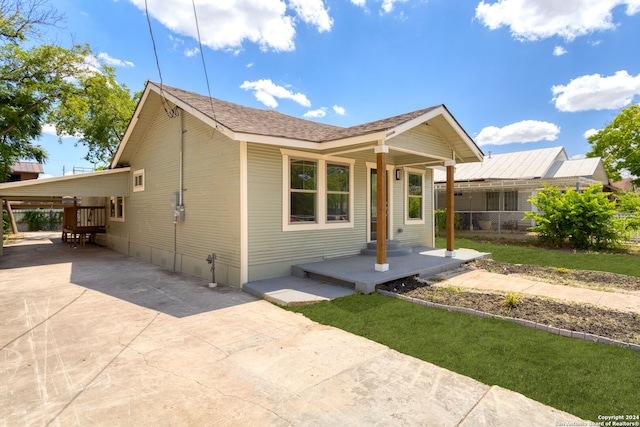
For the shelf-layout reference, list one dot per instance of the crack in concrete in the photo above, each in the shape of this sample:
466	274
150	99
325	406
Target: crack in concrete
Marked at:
31	328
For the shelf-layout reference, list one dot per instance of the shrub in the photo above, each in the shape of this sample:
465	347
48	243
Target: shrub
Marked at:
6	226
584	220
42	220
441	219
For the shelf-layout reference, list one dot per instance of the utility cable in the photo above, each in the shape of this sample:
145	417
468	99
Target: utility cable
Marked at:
171	112
204	65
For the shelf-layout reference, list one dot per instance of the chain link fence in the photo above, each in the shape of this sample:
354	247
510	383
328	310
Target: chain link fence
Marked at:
509	224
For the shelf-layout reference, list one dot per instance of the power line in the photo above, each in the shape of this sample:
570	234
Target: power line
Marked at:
204	65
171	112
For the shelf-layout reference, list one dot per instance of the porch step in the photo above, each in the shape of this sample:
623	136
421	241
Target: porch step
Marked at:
394	248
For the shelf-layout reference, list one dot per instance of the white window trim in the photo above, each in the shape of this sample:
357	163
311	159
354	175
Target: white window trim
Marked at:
422	173
117	218
139	172
321	191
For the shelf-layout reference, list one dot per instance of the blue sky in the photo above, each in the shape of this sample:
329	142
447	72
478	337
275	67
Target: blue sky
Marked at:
516	74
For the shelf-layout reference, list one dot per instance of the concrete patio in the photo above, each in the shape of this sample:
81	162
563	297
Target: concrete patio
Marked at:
91	337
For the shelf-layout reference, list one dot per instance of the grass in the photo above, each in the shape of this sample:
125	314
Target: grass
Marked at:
620	263
579	377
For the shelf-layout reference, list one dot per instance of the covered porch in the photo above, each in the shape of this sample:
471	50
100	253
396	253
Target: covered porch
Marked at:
317	281
79	221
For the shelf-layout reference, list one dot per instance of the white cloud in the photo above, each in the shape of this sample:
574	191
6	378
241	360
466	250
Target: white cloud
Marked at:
578	157
320	112
541	19
360	3
228	24
312	12
106	59
49	129
559	51
594	92
387	5
522	132
339	110
589	133
266	92
192	52
250	64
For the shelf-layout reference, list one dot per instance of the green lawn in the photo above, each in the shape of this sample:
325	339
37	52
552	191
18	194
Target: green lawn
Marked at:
612	262
579	377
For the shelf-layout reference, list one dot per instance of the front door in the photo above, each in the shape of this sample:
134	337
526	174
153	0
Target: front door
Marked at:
373	205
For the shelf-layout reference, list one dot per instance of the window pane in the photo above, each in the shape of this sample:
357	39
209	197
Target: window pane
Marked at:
337	207
493	201
510	200
112	208
120	208
337	177
415	207
415	185
303	207
303	174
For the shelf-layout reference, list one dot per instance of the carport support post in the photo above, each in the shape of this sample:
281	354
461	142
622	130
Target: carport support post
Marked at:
381	226
450	253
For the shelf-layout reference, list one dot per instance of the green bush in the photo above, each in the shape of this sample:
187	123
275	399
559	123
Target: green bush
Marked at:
6	226
441	220
43	220
583	220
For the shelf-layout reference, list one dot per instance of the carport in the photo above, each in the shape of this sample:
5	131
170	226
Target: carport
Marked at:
99	184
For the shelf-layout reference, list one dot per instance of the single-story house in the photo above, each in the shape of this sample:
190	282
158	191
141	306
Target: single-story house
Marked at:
500	185
196	176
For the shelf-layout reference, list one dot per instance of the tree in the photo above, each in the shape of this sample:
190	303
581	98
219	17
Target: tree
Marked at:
100	125
45	83
618	144
584	220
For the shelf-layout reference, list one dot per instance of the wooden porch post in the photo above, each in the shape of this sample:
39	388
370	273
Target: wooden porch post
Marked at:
381	227
450	209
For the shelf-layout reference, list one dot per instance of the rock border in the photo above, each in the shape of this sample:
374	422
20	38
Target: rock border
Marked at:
528	323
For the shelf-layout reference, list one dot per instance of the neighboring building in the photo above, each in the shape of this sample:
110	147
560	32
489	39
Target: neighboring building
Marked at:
196	176
494	193
23	171
625	185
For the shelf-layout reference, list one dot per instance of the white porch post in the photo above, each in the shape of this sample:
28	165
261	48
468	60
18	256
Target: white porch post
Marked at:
381	226
450	253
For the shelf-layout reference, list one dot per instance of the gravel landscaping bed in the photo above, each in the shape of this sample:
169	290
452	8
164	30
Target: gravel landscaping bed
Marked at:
614	324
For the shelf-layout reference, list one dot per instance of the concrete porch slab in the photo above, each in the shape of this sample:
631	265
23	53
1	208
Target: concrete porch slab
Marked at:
359	271
291	290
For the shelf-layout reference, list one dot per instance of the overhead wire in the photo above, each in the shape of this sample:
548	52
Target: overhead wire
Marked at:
204	66
171	112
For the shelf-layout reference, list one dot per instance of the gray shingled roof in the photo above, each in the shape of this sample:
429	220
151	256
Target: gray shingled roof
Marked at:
241	119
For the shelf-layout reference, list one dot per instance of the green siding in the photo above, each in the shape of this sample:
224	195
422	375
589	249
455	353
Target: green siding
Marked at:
271	250
211	197
422	139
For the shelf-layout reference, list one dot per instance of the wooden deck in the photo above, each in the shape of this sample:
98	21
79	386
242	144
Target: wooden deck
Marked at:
80	223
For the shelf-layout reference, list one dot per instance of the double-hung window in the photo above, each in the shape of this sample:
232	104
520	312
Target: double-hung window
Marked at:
303	190
337	193
414	196
317	191
116	208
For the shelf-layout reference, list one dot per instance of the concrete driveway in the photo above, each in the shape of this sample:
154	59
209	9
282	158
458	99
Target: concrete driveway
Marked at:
91	337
